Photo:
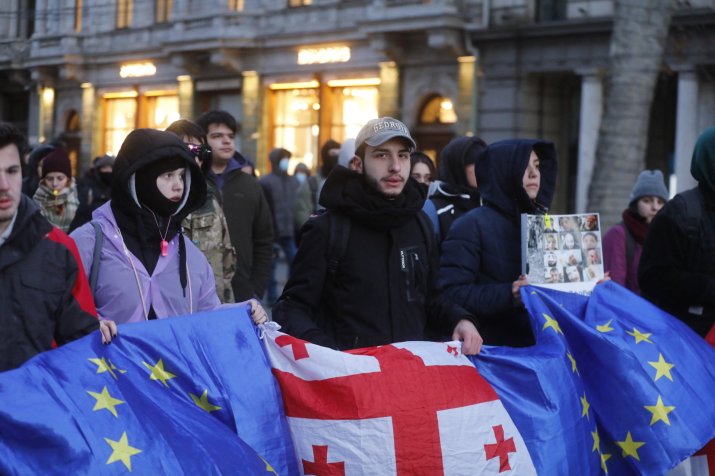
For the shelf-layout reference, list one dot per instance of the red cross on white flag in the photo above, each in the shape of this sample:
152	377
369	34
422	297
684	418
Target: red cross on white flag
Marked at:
415	408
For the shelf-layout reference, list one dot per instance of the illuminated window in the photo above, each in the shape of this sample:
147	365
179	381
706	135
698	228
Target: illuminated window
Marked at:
163	10
299	3
78	15
352	108
124	13
120	120
162	111
296	124
438	109
235	5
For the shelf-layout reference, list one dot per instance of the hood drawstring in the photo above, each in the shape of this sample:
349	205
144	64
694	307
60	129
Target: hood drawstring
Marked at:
182	261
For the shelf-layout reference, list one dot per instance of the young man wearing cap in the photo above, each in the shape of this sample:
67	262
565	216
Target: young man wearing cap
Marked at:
44	294
379	287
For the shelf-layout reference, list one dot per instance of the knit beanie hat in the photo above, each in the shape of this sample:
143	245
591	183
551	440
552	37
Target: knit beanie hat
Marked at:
149	194
57	161
650	183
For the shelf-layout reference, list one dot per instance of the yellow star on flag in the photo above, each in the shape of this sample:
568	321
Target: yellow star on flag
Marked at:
604	457
269	468
660	412
605	327
573	362
662	368
103	366
640	336
630	447
105	401
159	373
596	440
121	451
551	322
203	402
585	406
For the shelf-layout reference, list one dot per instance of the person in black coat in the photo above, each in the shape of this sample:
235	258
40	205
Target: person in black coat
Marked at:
94	189
383	289
480	267
455	193
677	267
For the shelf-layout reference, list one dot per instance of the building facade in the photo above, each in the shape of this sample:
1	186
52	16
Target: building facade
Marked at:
296	73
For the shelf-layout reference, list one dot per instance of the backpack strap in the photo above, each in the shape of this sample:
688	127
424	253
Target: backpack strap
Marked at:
96	254
428	229
337	240
693	212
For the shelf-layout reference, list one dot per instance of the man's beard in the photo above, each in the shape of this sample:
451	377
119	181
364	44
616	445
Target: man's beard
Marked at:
374	184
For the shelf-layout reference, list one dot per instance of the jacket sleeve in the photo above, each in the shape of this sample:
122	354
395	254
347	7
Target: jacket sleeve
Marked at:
77	315
614	254
262	244
663	270
228	258
460	271
297	308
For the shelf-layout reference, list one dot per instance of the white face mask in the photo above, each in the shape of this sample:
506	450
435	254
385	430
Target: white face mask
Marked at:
283	164
300	176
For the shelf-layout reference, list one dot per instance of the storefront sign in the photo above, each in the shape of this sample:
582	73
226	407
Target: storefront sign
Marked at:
335	54
137	70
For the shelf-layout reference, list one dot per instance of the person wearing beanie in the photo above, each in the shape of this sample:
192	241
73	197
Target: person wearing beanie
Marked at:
57	194
94	189
281	190
306	202
677	268
455	193
623	243
147	269
206	226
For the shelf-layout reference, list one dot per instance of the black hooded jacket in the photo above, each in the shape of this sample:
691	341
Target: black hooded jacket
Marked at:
383	290
677	267
481	256
451	194
141	229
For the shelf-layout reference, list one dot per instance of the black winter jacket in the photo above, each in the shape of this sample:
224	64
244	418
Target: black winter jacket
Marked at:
677	267
44	294
481	255
250	227
384	289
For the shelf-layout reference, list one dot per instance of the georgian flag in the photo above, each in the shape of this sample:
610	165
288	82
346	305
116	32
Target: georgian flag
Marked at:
414	408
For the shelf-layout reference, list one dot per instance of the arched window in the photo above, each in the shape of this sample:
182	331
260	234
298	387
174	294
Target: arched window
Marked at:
438	110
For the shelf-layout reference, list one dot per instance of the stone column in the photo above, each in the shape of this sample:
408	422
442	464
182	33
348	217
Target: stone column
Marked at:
253	143
389	100
686	128
590	121
466	106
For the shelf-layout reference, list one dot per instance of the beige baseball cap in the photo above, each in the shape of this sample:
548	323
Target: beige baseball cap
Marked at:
378	131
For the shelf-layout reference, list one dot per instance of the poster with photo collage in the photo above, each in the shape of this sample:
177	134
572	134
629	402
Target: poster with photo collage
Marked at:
563	252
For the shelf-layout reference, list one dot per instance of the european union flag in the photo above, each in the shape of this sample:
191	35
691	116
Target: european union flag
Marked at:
183	395
643	381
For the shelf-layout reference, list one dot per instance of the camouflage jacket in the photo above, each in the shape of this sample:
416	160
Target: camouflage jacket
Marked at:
207	228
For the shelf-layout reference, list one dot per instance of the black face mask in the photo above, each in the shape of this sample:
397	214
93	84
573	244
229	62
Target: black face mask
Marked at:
105	178
147	191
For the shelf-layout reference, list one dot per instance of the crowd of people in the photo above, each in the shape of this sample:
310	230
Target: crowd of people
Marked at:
382	246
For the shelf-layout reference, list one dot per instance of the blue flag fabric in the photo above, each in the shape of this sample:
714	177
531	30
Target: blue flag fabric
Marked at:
189	395
637	394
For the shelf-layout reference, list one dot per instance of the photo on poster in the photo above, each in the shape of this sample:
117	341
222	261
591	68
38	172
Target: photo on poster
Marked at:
563	252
